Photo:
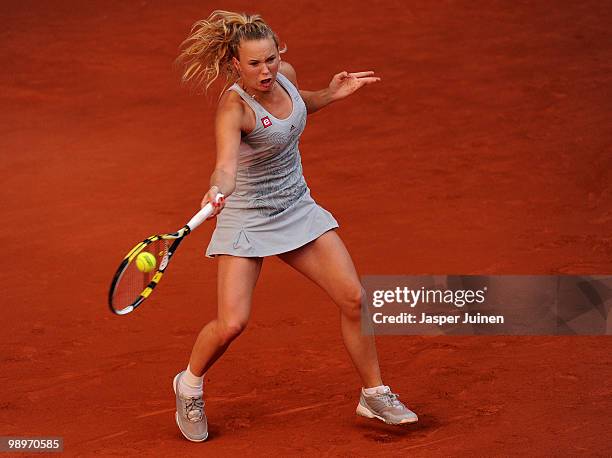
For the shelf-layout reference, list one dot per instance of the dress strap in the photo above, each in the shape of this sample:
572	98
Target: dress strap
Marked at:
247	98
288	85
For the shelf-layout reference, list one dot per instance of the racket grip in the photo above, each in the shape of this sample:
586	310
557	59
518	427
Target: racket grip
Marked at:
204	213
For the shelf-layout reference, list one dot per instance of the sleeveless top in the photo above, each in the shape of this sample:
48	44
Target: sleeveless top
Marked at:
269	176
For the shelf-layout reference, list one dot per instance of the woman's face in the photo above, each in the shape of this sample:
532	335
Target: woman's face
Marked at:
258	64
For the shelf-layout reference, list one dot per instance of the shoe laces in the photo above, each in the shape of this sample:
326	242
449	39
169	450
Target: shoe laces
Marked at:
194	408
391	399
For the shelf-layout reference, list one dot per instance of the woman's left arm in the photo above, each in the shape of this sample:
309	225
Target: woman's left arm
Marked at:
341	86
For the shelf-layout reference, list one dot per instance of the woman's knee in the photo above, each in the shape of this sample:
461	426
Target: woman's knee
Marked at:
229	330
351	301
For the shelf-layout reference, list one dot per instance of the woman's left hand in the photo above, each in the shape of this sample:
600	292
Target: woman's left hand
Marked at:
344	84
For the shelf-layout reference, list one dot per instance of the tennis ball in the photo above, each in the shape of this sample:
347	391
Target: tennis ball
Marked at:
145	262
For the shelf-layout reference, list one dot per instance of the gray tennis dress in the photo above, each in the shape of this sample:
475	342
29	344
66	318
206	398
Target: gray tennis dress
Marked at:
271	210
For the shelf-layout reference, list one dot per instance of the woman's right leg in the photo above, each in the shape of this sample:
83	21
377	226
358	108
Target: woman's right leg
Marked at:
235	283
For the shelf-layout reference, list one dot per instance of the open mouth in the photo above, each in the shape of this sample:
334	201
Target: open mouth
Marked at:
266	82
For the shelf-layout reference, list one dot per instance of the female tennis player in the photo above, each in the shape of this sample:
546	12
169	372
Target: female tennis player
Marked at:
267	209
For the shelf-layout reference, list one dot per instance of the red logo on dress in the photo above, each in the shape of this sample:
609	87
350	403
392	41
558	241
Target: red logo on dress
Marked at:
266	122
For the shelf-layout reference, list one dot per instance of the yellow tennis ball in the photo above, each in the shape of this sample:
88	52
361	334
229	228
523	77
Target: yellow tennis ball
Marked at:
145	262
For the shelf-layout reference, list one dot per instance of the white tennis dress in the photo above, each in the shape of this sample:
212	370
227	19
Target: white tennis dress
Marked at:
271	210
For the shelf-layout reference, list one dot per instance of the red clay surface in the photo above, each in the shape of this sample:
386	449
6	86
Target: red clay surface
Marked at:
485	149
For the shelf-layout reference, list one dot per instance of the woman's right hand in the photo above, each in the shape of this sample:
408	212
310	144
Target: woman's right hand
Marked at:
211	196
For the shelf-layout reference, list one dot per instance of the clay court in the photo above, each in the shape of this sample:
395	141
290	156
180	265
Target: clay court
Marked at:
486	149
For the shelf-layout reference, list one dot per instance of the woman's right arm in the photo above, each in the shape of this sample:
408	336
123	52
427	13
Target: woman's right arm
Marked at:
228	124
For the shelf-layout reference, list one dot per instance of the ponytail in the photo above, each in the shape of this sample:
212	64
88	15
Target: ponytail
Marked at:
212	43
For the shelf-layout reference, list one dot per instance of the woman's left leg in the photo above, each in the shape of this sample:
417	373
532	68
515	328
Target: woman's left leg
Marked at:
327	262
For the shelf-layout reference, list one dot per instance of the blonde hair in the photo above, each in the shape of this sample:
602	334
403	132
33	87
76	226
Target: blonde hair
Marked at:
208	50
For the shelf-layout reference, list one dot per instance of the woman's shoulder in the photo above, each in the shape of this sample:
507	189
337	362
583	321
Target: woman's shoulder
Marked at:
287	70
230	101
232	110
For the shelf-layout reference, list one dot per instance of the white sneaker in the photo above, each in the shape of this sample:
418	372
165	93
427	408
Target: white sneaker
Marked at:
385	406
190	416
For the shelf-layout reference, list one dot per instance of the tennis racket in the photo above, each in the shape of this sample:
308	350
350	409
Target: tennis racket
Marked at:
131	286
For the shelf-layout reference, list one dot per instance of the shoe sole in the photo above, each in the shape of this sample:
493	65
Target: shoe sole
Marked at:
176	417
365	412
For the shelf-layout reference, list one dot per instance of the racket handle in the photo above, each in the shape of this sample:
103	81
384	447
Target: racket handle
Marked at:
204	213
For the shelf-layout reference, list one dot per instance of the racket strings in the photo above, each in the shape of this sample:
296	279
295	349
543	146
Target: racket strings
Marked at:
133	281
